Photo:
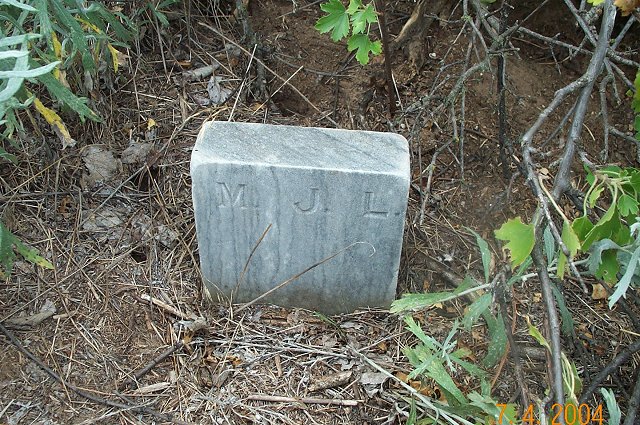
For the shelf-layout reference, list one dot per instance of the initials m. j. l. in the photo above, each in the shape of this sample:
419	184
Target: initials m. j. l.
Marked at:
308	202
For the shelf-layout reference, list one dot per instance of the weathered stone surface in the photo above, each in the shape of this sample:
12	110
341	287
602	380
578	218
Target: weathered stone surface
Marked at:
322	191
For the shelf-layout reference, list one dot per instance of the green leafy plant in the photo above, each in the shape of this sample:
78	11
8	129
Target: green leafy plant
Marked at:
439	361
612	245
355	20
9	245
59	45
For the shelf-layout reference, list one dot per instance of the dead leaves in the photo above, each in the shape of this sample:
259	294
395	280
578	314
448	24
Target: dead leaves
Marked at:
627	6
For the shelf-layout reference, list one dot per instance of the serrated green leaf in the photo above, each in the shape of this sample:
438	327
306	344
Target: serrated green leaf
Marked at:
31	255
410	302
362	18
520	239
627	205
435	370
336	21
572	242
354	6
415	328
364	47
474	370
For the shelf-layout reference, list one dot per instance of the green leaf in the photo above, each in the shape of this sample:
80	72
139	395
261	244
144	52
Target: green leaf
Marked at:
627	205
7	255
615	415
568	327
582	226
534	332
604	228
364	46
18	4
549	245
600	264
623	285
17	39
476	309
354	6
469	367
609	267
498	341
336	21
572	242
76	34
420	301
594	195
361	19
29	73
415	328
6	155
63	94
485	254
435	370
520	239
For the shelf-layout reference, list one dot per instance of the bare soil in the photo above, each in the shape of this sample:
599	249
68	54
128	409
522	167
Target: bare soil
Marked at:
119	242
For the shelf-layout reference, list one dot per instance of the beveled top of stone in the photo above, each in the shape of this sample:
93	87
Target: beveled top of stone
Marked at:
301	147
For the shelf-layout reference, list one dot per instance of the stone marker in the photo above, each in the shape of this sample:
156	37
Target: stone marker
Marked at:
316	193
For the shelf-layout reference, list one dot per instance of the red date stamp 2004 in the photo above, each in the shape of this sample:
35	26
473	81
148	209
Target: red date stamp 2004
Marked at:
572	415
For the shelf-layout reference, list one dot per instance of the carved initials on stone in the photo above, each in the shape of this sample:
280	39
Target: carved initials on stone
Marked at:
368	207
232	198
314	203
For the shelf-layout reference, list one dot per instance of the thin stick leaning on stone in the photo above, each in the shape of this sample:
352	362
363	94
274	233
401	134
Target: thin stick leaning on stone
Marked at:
291	279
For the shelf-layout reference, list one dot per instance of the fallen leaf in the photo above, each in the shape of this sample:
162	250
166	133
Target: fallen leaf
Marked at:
599	292
102	220
627	6
217	94
136	153
331	381
56	123
101	165
152	388
373	378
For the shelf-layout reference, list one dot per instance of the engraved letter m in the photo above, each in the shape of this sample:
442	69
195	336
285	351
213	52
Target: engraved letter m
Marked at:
232	198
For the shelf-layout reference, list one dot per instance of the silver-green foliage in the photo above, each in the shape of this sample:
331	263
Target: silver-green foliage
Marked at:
54	44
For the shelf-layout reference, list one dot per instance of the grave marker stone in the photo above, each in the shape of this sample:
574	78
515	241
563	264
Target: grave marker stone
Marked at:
319	192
